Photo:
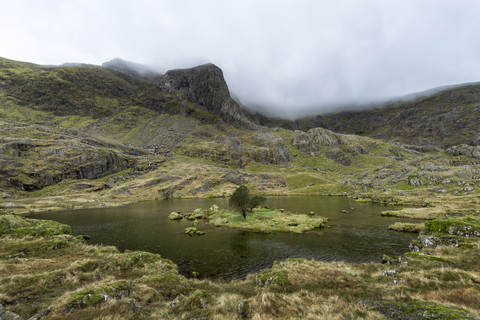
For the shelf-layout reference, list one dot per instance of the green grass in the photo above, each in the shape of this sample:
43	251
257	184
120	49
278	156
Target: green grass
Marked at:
456	226
12	225
407	227
267	221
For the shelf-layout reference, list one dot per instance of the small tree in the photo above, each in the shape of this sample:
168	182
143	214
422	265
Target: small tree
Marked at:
255	201
241	199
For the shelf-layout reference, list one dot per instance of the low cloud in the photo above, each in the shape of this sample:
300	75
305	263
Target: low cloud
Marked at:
291	57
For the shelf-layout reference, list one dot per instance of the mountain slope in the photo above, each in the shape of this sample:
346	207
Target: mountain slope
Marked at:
443	119
85	135
97	92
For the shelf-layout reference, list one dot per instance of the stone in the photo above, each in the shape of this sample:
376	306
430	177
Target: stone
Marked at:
41	314
176	301
196	214
192	231
8	205
389	273
430	242
7	315
242	309
214	208
175	216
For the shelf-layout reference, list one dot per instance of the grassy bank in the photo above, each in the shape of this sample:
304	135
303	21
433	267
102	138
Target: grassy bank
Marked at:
58	276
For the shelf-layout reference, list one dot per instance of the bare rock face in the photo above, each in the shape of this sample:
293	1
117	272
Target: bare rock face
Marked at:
205	86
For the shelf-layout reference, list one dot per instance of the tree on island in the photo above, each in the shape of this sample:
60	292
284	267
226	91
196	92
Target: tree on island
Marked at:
241	199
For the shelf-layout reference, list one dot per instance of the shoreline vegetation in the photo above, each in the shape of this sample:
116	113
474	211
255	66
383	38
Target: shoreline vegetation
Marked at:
261	220
48	273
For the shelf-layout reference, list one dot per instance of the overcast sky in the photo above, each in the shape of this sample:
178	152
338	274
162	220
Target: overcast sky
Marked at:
288	55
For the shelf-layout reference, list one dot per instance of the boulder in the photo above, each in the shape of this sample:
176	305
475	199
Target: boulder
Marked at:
213	209
192	231
196	214
430	242
175	216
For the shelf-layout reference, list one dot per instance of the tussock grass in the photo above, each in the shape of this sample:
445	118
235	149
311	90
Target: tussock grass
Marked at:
74	280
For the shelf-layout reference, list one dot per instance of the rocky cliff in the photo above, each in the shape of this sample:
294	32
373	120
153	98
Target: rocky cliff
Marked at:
206	87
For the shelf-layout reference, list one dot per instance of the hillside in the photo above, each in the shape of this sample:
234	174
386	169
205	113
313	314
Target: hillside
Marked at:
91	131
442	119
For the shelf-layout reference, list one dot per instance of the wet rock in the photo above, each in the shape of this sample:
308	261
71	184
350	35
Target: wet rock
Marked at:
192	231
175	216
214	208
196	214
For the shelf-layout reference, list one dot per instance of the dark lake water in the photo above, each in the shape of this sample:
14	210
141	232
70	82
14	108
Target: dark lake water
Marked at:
359	236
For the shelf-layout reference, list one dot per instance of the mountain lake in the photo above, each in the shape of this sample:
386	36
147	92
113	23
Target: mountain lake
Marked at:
223	253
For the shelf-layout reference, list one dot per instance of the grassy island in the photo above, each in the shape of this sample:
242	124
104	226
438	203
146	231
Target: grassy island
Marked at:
263	220
267	220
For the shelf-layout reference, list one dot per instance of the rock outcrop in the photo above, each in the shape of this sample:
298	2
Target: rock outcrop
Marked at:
464	149
205	86
335	146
